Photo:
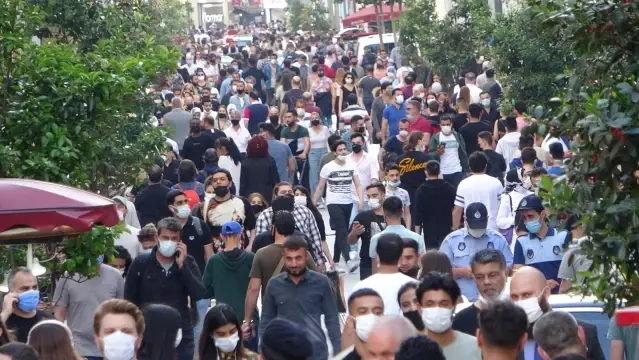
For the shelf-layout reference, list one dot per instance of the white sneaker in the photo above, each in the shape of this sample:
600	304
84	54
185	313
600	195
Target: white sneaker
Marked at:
354	254
340	269
352	265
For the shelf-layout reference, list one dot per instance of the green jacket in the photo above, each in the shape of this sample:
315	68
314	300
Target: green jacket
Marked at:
226	279
463	158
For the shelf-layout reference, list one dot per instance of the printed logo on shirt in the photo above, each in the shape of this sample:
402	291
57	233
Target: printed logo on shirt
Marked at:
340	181
490	245
530	253
555	250
408	165
191	237
461	246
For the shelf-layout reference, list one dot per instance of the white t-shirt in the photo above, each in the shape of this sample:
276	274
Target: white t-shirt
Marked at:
241	137
484	189
463	347
339	182
545	145
225	162
129	240
387	286
319	140
366	171
449	160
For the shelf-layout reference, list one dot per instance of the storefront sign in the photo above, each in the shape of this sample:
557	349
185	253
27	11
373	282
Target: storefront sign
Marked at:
212	18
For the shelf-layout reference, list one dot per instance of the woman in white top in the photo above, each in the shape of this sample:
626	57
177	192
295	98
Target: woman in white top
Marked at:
319	147
517	187
222	121
230	159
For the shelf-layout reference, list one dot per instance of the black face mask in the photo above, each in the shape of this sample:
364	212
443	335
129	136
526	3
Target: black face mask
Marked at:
221	191
196	129
240	91
189	107
274	119
416	319
257	208
315	122
235	122
361	130
320	74
221	116
357	148
198	104
412	272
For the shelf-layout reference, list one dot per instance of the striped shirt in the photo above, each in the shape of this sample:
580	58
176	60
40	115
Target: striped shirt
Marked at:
483	189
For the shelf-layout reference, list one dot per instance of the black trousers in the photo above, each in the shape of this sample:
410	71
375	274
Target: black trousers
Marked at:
340	215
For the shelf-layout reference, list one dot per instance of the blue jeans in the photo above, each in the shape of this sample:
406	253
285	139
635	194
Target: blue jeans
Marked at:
314	159
327	120
202	309
454	179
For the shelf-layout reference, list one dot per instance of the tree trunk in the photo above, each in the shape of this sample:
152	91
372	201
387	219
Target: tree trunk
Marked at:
380	23
392	18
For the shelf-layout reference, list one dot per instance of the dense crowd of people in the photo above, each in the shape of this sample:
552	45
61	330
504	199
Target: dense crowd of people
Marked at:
456	255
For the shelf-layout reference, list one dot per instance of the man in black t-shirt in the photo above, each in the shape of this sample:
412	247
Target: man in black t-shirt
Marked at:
19	307
472	128
366	224
496	162
490	273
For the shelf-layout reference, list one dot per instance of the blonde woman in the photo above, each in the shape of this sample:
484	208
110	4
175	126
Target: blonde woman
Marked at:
336	92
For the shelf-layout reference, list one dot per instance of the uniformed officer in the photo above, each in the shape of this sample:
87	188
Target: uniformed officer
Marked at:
462	244
543	246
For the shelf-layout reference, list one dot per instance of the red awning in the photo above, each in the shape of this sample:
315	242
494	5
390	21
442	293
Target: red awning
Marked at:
31	208
367	15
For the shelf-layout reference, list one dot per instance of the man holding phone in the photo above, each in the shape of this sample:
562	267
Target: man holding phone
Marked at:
449	149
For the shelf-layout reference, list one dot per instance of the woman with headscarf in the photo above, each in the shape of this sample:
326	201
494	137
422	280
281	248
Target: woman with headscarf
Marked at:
129	238
127	212
509	221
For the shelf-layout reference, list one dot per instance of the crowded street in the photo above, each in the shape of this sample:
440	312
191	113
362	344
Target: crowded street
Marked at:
314	180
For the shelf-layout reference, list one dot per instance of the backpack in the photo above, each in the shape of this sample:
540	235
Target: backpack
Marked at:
192	197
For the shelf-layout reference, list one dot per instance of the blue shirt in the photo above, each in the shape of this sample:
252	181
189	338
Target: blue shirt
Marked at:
460	247
224	87
542	254
400	230
280	152
555	170
393	115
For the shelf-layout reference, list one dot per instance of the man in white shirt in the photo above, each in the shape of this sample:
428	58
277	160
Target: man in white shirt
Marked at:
474	90
479	187
239	134
387	280
190	66
365	164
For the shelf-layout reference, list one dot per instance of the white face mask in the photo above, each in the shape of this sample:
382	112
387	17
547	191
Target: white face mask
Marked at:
532	308
341	157
273	61
503	296
399	99
374	204
300	200
121	271
183	211
201	78
446	130
437	319
119	346
364	324
178	338
349	81
403	133
208	196
146	251
300	112
120	215
227	344
167	248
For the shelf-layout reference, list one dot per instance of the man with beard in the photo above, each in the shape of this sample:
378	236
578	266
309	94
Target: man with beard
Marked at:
302	296
560	337
529	290
490	272
409	261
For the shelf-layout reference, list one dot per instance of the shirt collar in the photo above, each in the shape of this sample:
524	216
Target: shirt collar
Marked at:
550	232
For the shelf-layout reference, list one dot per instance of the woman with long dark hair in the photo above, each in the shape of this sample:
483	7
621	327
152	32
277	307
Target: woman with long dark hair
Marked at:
230	159
53	341
259	172
162	333
221	337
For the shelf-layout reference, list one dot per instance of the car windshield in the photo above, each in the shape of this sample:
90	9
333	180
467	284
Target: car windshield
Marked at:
387	46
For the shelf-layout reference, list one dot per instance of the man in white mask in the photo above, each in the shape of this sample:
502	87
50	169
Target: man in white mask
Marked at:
119	326
438	294
365	306
529	290
490	272
462	244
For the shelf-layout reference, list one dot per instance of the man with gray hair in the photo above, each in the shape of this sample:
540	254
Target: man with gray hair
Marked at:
387	336
559	337
178	120
19	307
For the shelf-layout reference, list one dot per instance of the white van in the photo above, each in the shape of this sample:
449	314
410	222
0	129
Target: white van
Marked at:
372	42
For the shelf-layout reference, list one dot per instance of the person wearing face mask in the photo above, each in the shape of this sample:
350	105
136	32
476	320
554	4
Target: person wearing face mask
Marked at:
240	99
271	73
394	147
543	246
417	121
127	239
170	266
258	203
20	305
365	307
410	306
490	272
392	182
237	133
75	300
365	164
392	115
530	290
357	126
118	327
190	65
162	333
122	260
438	295
411	166
318	135
148	238
222	335
462	244
196	144
518	186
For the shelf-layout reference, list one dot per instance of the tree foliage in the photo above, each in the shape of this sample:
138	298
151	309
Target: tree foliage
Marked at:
307	17
600	104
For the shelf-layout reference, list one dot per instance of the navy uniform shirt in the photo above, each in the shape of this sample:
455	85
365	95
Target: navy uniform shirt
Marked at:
543	254
460	247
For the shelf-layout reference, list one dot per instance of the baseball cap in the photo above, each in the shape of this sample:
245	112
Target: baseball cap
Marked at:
531	202
231	228
477	216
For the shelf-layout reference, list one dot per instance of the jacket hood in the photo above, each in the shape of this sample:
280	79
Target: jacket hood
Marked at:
435	184
233	263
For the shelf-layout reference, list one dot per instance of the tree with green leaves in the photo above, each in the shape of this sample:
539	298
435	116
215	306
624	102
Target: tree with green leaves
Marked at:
600	107
309	17
77	109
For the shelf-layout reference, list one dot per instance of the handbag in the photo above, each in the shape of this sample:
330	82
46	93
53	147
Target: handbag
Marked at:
333	281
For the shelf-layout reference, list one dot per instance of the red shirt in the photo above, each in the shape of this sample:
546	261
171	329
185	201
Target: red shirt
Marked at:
420	124
328	72
310	108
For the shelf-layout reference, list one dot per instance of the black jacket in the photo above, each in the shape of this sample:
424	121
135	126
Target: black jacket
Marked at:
150	204
592	343
434	202
259	174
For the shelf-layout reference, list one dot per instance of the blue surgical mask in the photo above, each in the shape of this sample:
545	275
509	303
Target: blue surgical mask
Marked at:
393	183
485	102
533	226
100	259
28	300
